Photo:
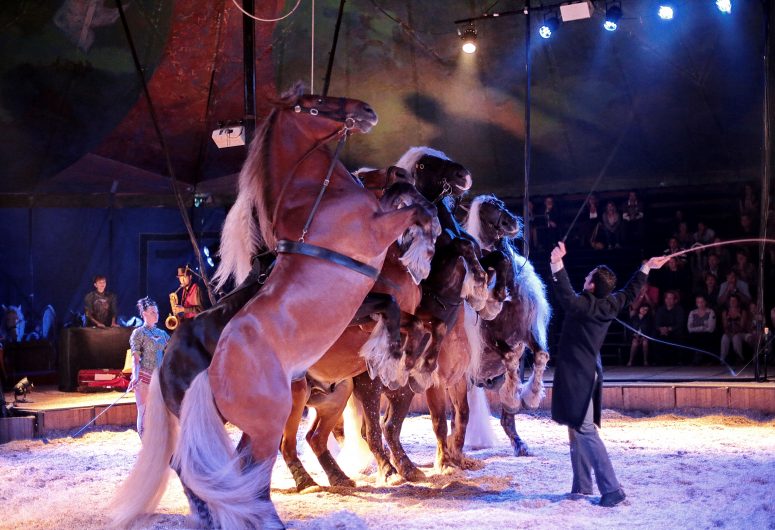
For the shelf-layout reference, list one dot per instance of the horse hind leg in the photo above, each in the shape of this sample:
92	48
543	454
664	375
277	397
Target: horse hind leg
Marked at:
458	395
236	495
300	393
397	410
329	410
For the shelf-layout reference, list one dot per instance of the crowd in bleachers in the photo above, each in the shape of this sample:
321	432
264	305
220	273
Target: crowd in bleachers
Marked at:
707	299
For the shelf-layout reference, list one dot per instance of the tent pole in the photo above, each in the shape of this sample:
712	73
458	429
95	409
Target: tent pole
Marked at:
249	64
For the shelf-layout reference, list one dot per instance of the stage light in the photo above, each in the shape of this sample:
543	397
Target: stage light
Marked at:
468	36
613	14
21	389
725	6
665	12
551	23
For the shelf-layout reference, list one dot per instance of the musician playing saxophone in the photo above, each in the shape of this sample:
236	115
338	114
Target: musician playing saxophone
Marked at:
190	297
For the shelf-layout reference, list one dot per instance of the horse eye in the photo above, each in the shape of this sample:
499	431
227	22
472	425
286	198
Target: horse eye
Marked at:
320	101
421	166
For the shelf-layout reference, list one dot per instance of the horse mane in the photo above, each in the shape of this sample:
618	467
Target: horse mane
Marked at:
410	158
473	223
248	226
534	288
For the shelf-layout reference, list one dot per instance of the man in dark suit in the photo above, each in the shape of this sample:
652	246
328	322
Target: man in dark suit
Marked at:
578	375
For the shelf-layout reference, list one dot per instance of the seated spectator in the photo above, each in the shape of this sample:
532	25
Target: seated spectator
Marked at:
703	235
673	278
757	327
632	214
702	327
612	226
710	290
749	202
642	321
713	266
736	325
748	228
648	294
673	246
745	270
684	237
670	320
590	218
734	286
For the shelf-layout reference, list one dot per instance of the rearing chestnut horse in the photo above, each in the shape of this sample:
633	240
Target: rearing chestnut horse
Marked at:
331	236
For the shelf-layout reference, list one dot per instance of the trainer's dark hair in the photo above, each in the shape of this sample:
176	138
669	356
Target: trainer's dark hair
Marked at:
604	280
145	303
99	277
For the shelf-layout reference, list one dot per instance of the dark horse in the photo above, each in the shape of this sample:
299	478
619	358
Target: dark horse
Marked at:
300	194
521	322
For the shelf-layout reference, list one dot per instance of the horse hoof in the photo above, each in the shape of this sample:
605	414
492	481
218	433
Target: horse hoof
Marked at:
470	464
312	488
344	482
522	450
413	475
305	485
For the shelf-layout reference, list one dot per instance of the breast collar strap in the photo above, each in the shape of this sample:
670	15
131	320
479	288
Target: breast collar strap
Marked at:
285	246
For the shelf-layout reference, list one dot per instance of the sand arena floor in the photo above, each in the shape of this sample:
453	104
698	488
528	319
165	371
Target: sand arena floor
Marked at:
695	470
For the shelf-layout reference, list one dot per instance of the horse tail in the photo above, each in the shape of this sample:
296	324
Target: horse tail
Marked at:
240	239
236	495
479	433
355	455
142	490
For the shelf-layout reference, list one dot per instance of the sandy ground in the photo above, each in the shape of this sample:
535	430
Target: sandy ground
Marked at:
696	470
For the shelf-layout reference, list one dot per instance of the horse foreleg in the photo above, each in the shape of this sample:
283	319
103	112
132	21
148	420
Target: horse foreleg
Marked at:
369	392
533	391
509	392
385	305
458	395
504	273
300	394
437	405
509	427
329	411
397	410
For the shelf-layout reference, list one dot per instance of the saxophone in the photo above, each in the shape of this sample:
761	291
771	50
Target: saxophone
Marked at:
172	321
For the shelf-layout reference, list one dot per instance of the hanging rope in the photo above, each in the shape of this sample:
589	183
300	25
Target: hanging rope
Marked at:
312	53
165	150
267	19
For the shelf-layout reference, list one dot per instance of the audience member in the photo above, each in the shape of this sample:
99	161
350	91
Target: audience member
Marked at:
648	294
643	322
757	327
684	237
748	227
702	327
745	270
612	226
547	225
100	305
590	218
673	246
704	235
632	214
670	320
736	324
673	278
710	290
736	287
749	202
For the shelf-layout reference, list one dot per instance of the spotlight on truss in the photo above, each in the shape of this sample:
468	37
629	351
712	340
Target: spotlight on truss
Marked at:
665	12
468	36
229	134
725	6
550	25
613	14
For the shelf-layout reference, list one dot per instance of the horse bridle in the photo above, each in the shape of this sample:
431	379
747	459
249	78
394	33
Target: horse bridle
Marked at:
339	115
446	187
285	246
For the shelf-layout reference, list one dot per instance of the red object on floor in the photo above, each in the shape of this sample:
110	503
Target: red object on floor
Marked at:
102	380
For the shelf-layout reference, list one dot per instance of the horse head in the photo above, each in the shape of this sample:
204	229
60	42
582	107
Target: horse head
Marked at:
379	180
488	221
436	176
320	112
